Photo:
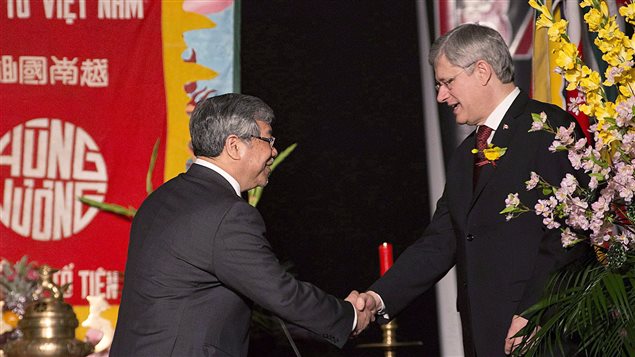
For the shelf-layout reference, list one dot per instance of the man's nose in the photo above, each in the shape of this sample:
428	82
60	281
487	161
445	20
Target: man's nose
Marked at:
442	94
274	152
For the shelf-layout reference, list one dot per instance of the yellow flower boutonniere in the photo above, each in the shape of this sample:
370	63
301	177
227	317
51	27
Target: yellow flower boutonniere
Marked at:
492	153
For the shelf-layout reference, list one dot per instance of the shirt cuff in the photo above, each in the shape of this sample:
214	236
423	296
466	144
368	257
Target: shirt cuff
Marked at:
381	311
354	317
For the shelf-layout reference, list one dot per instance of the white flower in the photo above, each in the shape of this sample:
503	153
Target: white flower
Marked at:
555	145
568	238
536	126
593	183
565	135
533	181
542	208
574	103
512	200
569	183
561	194
623	238
550	222
576	159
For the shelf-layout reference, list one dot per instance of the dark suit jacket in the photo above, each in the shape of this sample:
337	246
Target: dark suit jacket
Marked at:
197	259
502	267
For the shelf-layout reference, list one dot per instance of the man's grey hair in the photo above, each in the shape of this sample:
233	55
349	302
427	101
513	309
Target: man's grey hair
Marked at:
466	44
216	118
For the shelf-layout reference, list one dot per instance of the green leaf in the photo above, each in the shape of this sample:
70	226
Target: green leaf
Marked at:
254	195
109	207
283	155
153	161
589	303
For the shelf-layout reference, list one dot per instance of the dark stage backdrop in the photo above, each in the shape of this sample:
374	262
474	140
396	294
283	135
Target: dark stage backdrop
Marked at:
344	80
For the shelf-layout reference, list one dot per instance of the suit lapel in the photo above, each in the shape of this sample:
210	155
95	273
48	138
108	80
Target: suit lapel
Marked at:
465	173
502	138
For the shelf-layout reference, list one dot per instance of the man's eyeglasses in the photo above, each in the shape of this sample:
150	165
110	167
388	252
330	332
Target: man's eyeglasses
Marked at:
447	83
270	140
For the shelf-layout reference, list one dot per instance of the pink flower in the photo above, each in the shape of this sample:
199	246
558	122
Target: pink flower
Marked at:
533	181
536	126
542	208
568	238
550	222
512	200
565	135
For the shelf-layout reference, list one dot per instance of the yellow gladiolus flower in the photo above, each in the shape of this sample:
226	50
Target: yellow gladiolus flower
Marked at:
572	77
586	109
543	21
604	134
627	90
605	111
608	44
605	9
557	30
567	56
586	3
618	55
611	32
628	12
593	18
534	4
592	82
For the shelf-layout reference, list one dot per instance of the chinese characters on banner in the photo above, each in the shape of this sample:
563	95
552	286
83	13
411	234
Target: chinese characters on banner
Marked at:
86	89
40	70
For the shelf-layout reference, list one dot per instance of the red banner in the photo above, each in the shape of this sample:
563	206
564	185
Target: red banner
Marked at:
82	104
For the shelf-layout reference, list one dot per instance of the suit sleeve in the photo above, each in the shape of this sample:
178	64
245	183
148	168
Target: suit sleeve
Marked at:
421	265
244	261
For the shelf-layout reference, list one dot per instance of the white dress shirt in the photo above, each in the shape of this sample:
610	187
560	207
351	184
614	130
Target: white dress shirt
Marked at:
221	172
496	116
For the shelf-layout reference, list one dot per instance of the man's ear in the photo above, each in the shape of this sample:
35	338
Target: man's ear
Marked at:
484	71
234	147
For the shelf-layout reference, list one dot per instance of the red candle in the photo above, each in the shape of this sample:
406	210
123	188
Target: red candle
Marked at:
385	257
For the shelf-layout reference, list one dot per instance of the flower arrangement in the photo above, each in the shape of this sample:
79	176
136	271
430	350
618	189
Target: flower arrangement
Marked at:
19	285
593	303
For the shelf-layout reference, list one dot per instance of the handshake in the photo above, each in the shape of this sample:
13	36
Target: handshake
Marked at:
366	306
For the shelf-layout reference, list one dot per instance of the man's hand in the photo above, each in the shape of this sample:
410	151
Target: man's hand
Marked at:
365	307
518	322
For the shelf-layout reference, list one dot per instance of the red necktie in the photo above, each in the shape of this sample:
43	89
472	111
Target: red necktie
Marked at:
482	133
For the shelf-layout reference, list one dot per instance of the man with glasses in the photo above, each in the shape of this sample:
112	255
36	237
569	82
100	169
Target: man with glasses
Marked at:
198	258
502	267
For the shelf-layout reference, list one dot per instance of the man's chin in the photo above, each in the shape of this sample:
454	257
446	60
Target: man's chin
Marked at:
263	183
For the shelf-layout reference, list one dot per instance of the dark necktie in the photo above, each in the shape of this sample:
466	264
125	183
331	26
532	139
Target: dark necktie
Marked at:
482	133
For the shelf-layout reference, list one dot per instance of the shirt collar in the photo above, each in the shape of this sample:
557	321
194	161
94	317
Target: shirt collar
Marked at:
495	118
232	181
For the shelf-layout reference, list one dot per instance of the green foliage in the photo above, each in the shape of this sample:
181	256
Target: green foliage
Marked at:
589	304
110	207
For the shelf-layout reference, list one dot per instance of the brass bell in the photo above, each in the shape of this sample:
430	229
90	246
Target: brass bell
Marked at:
48	326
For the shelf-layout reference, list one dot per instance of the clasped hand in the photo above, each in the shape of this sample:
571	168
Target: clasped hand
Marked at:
365	307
